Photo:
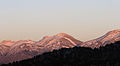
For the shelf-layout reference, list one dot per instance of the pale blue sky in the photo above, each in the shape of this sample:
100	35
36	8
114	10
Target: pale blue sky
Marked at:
33	19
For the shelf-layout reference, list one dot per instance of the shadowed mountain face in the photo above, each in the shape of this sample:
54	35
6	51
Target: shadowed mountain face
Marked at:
108	38
11	51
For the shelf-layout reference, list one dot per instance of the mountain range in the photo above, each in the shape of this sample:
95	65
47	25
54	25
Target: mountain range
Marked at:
11	51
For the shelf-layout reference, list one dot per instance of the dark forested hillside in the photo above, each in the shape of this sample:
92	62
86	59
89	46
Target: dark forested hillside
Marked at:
77	56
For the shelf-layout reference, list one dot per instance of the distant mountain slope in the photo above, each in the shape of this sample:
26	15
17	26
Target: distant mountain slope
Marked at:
108	38
11	51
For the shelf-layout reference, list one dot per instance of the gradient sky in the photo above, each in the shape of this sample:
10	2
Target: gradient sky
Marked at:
33	19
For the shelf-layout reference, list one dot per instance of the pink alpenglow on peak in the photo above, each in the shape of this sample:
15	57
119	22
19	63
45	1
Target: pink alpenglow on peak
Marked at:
62	34
108	38
7	42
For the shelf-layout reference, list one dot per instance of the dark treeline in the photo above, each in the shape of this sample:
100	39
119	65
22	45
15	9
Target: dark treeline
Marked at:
77	56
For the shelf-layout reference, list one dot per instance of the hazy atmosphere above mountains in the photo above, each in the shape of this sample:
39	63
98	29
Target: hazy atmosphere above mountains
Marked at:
34	19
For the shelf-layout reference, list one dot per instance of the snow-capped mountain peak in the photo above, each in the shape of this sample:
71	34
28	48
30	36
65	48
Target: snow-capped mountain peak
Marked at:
108	38
61	40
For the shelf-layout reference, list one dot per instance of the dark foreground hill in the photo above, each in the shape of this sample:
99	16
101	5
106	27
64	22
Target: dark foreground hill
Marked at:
77	56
